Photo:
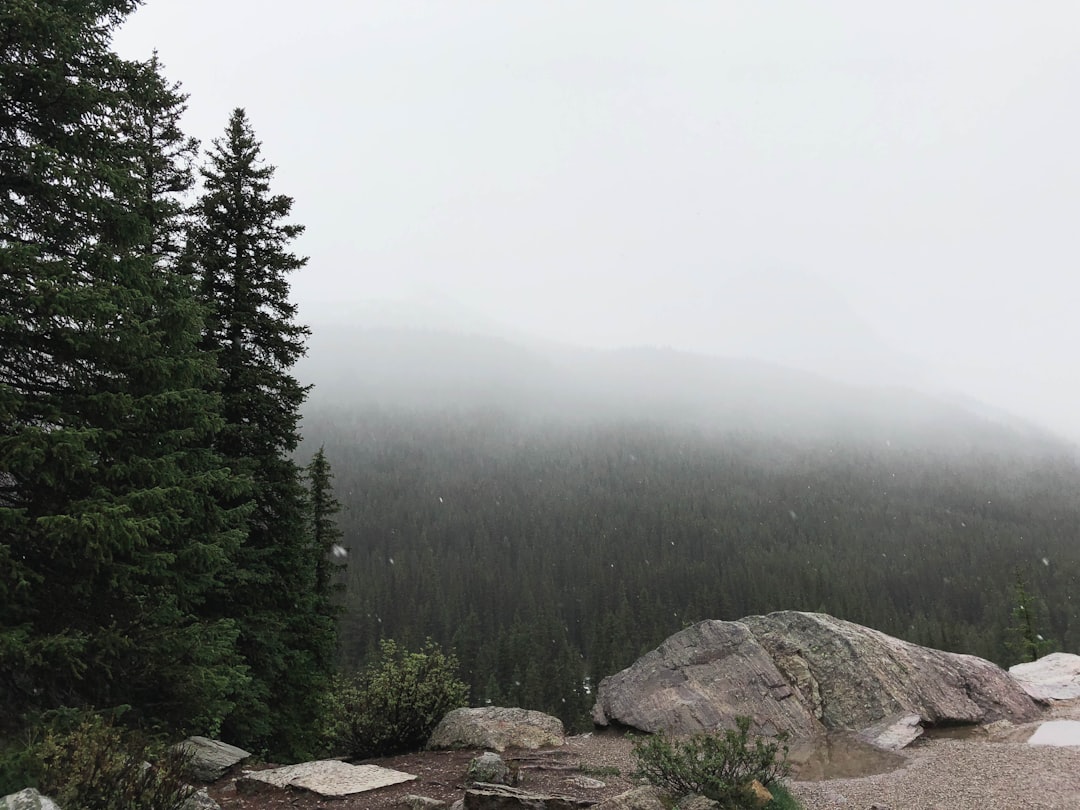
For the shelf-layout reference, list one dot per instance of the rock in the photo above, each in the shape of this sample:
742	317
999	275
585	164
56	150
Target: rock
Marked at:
327	777
760	794
200	800
701	679
642	798
28	799
497	728
862	676
894	733
1052	677
501	797
210	759
414	802
458	805
490	768
585	783
696	802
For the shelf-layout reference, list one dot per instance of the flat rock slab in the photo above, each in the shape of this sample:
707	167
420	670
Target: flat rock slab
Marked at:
210	759
894	733
331	777
1056	732
1052	677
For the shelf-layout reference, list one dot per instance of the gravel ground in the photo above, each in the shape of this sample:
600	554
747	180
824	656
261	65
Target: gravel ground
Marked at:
995	772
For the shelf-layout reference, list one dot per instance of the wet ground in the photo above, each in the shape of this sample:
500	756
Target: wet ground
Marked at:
840	756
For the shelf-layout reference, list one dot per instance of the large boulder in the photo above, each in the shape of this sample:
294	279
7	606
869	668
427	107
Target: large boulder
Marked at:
1052	677
804	673
701	679
853	677
210	759
497	728
28	799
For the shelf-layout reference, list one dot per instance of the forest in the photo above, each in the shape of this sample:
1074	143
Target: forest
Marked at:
552	552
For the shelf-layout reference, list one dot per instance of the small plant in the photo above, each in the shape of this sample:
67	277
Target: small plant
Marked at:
718	766
394	704
96	765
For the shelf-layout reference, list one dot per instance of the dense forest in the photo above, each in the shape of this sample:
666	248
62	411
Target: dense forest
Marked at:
550	553
161	558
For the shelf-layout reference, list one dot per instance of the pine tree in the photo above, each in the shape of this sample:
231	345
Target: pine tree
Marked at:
111	536
239	253
325	534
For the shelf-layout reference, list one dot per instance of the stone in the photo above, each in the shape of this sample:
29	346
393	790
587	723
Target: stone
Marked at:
701	679
501	797
490	768
695	802
28	799
1052	677
200	800
327	777
210	759
894	733
585	783
497	729
414	802
759	794
642	798
862	676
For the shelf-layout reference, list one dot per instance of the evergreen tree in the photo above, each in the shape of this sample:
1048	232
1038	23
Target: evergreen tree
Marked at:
238	250
325	535
111	536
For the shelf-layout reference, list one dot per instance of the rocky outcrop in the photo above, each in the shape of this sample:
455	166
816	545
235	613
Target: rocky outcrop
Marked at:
210	759
28	799
863	676
1052	677
700	679
500	797
497	729
803	673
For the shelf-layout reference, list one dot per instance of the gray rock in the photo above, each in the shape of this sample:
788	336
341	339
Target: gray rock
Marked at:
894	733
28	799
490	768
497	728
200	800
585	783
414	802
210	759
1052	677
853	677
696	803
500	797
701	679
642	798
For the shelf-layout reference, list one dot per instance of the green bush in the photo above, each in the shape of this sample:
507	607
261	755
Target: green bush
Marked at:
96	765
718	766
394	704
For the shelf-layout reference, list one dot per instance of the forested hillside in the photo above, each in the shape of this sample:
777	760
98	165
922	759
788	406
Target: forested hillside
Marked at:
550	553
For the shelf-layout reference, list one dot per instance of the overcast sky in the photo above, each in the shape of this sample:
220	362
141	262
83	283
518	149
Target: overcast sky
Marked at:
615	173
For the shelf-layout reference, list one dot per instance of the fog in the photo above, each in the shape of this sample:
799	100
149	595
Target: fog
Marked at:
880	194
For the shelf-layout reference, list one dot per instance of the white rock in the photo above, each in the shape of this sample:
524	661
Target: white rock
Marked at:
1052	677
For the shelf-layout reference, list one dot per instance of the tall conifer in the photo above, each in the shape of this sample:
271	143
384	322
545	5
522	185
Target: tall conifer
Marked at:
239	251
111	534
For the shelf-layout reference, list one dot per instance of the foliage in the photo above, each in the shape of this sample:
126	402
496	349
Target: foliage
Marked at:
96	765
719	766
238	253
113	529
782	798
1024	641
394	704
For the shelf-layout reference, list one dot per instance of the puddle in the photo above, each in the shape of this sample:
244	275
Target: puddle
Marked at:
961	732
840	756
1056	732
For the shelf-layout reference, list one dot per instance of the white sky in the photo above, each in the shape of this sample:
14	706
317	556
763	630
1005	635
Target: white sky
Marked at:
622	172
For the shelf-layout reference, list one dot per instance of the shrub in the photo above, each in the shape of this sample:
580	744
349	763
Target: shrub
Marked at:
718	766
95	765
394	704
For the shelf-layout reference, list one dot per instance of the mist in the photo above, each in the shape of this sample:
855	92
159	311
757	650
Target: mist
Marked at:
881	197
